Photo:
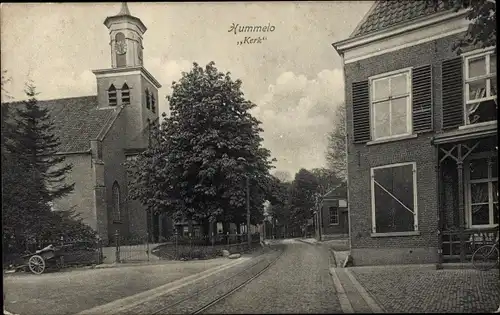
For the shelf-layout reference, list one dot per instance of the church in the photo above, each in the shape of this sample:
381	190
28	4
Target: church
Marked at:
99	133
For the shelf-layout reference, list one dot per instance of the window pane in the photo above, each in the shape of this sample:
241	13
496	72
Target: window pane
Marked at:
494	167
481	112
380	89
477	67
399	116
478	168
495	213
493	86
479	193
495	191
399	85
381	119
477	90
480	214
392	201
493	63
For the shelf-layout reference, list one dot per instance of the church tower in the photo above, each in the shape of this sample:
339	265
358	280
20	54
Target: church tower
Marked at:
127	86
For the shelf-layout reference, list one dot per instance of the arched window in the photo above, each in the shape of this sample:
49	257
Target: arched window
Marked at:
120	50
116	202
112	95
147	99
125	94
153	103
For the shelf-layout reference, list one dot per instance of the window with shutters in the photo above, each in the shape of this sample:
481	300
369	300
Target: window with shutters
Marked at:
482	191
334	215
112	100
390	105
480	88
394	198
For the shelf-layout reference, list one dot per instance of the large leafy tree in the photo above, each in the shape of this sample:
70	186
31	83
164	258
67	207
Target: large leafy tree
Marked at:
197	164
279	195
302	198
482	30
336	154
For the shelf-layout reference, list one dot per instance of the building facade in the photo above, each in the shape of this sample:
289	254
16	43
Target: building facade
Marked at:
422	133
331	219
99	133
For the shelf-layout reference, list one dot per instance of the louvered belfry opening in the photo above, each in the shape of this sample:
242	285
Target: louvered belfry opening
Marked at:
112	99
125	94
148	105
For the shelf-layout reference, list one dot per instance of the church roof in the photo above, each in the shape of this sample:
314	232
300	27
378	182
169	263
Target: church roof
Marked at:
387	13
125	13
77	120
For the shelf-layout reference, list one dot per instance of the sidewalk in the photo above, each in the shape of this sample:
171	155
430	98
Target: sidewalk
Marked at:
71	292
416	289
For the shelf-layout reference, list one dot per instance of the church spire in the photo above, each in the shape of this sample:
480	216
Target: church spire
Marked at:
124	10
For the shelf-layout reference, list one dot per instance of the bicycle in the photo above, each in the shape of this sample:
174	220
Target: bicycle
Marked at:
486	257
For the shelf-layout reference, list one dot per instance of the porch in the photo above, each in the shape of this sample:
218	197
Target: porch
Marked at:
467	177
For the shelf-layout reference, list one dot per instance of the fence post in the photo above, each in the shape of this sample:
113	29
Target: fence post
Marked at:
228	240
117	249
147	245
176	242
190	246
213	239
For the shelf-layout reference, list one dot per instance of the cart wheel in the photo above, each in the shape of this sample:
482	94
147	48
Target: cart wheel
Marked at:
36	264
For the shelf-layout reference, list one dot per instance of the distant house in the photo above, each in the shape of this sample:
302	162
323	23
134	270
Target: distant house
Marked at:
331	218
100	132
422	136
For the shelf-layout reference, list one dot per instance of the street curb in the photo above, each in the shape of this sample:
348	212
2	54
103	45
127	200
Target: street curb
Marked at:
369	299
301	240
345	304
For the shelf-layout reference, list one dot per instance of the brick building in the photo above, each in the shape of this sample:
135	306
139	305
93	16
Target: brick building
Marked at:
331	219
98	133
422	134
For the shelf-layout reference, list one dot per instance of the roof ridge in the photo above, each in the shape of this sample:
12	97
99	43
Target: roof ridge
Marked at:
53	99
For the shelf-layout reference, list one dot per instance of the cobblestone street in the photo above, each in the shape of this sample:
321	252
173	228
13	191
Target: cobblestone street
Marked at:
299	282
417	289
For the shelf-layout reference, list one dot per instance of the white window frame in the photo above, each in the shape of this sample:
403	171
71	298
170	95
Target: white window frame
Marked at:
468	192
415	199
466	81
335	216
387	75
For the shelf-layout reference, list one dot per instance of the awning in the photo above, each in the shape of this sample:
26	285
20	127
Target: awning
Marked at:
465	134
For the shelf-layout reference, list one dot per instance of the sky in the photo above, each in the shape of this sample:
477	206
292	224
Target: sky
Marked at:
294	76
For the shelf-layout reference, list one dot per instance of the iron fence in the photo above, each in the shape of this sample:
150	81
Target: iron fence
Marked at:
176	247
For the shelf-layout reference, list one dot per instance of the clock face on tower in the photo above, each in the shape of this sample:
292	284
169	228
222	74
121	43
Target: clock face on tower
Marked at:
120	44
121	47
